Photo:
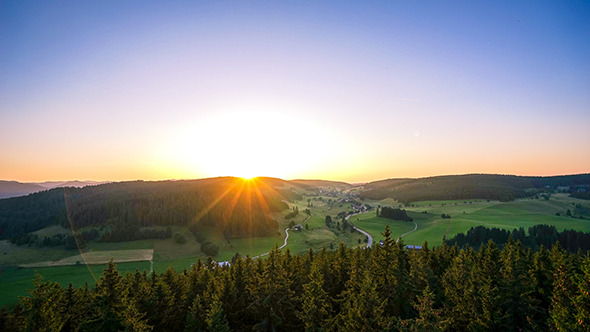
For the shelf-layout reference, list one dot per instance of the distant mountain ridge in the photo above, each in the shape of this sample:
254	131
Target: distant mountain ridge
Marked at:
74	183
14	188
322	183
464	186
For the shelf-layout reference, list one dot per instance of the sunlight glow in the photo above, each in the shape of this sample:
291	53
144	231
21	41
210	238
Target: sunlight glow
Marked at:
246	145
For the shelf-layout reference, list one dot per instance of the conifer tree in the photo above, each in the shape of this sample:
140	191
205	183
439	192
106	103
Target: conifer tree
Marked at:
44	308
315	307
363	308
516	301
272	300
582	300
429	318
541	280
487	280
460	292
216	320
562	311
111	310
195	318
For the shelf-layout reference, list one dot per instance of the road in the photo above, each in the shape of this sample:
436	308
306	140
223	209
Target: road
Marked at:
369	237
281	247
415	228
285	243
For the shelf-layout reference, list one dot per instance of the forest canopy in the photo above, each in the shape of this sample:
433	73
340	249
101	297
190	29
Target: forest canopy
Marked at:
237	207
385	288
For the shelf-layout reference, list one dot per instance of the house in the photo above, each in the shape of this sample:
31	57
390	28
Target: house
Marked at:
297	227
409	246
222	264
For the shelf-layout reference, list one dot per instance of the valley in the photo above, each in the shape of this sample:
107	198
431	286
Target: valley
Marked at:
304	215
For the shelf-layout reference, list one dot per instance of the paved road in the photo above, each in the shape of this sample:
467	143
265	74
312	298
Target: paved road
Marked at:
369	237
415	228
285	243
370	241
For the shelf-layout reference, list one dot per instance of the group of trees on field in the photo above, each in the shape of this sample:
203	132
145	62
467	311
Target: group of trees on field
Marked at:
538	235
581	194
387	288
293	213
393	213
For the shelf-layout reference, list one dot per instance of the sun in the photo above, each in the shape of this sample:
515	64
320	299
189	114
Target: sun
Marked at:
248	177
247	145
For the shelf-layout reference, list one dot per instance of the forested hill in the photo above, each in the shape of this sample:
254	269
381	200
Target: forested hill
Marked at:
322	184
485	186
235	206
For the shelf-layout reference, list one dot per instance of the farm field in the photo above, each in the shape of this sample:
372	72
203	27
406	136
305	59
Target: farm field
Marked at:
464	215
15	282
98	257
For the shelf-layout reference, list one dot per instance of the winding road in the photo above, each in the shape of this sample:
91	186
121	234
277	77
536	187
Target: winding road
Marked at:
369	237
285	243
406	233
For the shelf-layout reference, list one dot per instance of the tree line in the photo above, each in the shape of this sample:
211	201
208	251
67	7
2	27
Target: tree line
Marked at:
538	235
387	288
393	213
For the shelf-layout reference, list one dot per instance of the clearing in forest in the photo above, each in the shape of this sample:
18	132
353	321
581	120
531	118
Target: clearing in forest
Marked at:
99	257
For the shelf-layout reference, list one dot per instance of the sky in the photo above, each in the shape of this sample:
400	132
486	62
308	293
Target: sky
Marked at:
345	90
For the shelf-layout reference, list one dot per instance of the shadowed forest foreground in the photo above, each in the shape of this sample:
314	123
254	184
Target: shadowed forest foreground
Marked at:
385	288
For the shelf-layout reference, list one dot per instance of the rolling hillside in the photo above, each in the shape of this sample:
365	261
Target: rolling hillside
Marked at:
469	186
322	184
237	207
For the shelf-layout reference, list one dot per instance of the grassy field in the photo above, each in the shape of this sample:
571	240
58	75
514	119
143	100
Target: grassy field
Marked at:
466	214
98	257
15	282
374	225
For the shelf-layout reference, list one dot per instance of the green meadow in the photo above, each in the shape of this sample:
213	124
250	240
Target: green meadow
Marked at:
465	214
15	282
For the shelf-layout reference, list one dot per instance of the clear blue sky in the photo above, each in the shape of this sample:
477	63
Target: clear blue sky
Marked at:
351	91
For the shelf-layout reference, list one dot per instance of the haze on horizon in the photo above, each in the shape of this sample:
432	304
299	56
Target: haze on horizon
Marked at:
339	91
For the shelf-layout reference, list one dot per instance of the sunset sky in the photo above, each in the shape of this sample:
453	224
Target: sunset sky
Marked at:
352	91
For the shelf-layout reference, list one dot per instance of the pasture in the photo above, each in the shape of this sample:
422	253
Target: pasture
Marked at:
98	257
15	282
471	213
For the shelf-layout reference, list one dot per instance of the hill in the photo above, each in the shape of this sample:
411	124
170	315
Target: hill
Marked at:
13	188
469	186
10	189
237	207
75	183
322	184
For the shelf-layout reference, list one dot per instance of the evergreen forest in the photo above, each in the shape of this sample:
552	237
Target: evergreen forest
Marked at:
387	288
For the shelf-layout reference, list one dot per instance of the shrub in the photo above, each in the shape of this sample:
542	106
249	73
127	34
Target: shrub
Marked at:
179	238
